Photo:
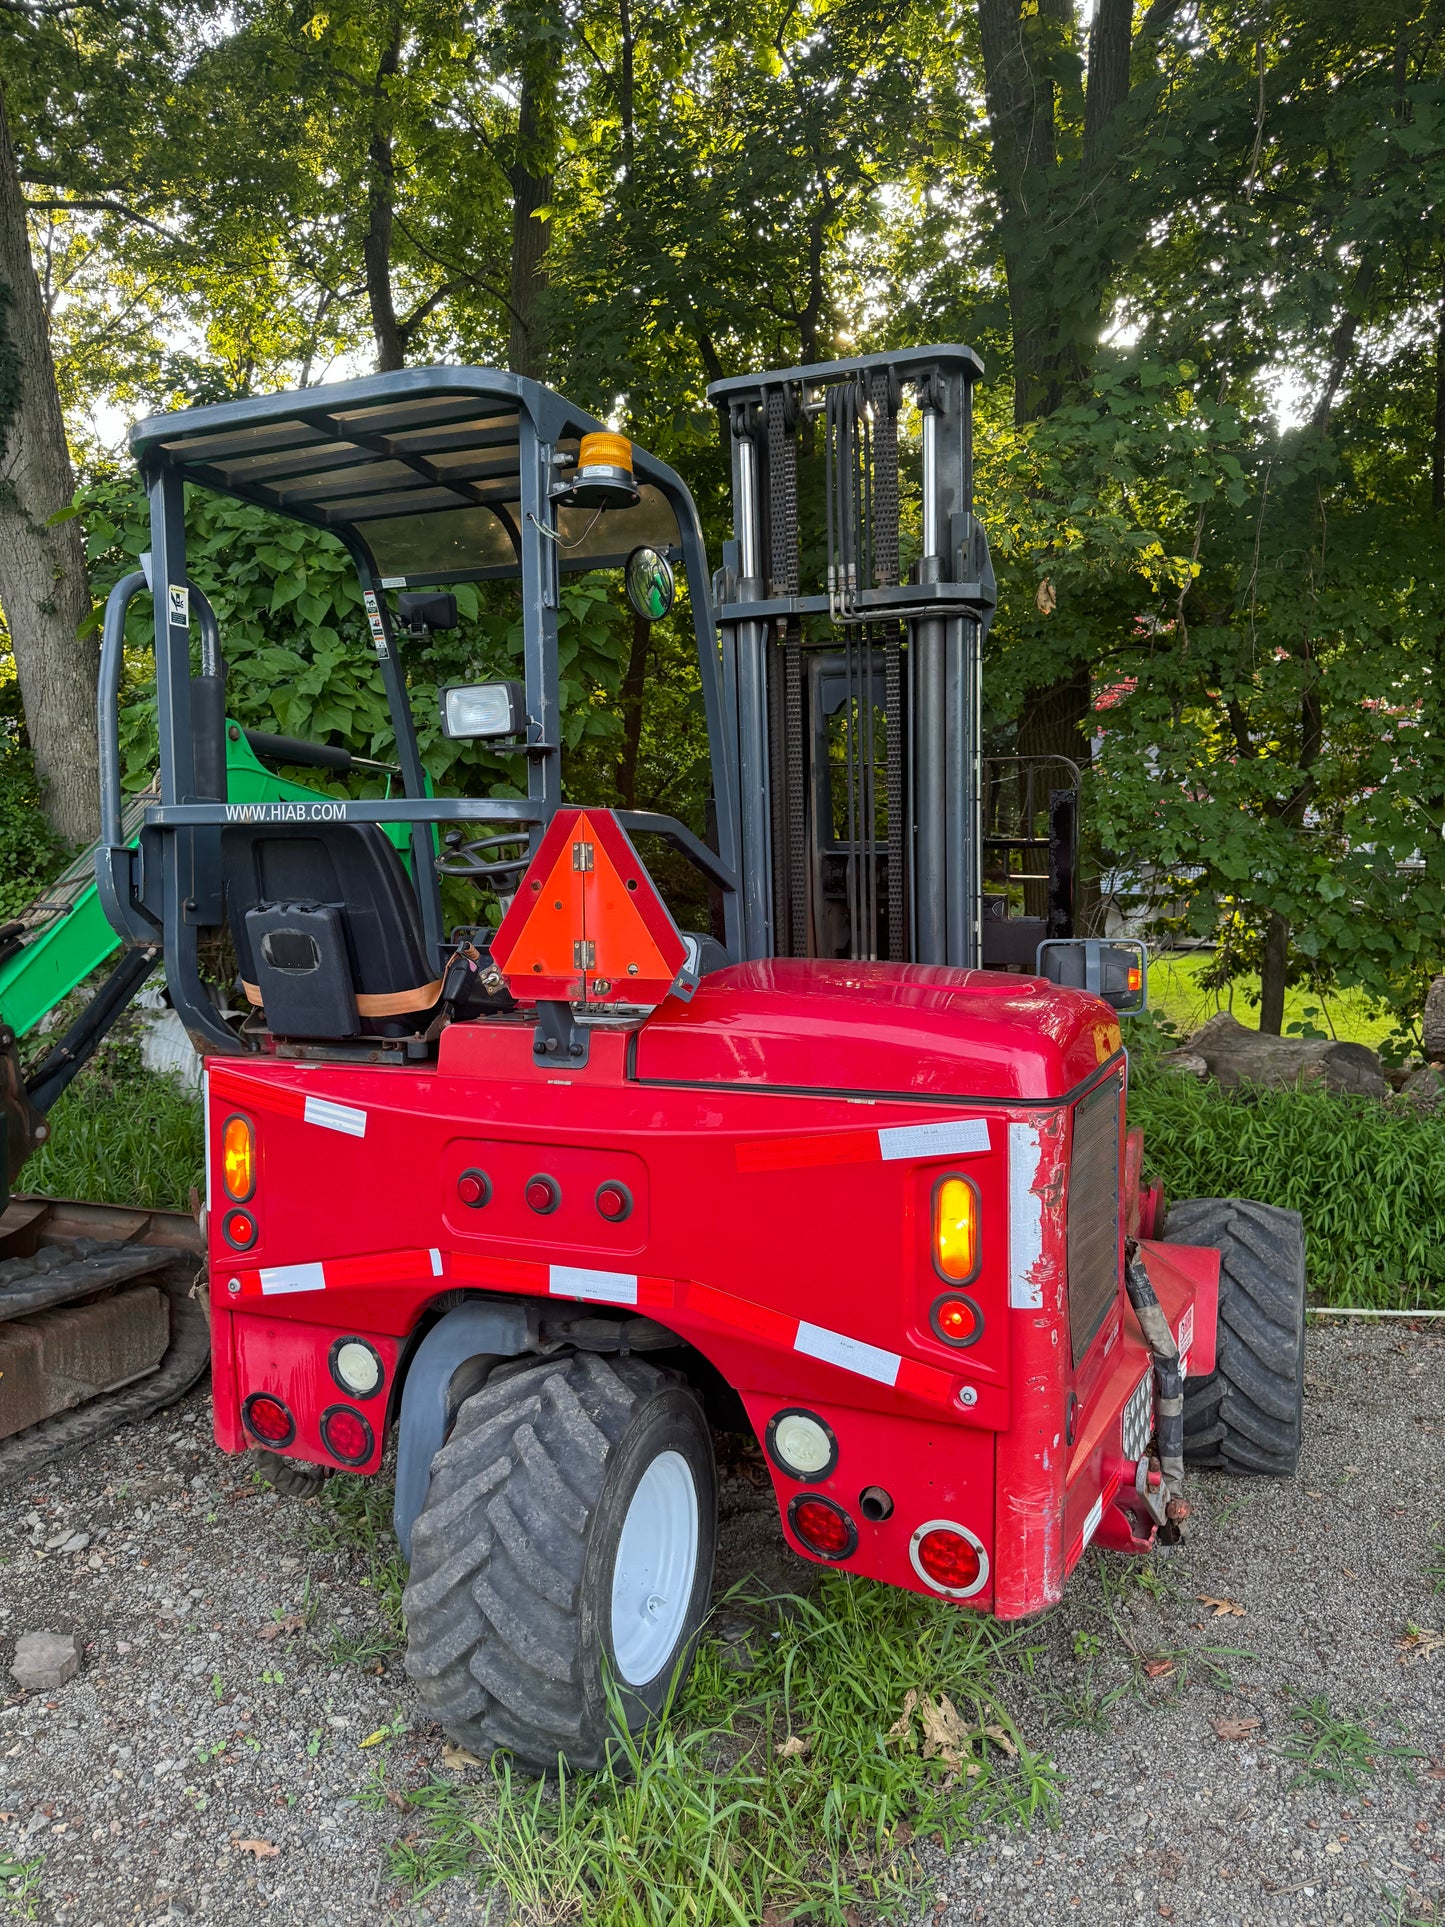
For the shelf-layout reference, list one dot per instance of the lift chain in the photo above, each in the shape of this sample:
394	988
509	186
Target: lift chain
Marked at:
885	566
790	829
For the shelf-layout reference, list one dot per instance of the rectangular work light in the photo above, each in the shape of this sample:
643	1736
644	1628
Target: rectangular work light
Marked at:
479	710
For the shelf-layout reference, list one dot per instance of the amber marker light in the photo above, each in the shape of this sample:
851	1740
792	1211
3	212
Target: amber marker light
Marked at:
238	1158
955	1229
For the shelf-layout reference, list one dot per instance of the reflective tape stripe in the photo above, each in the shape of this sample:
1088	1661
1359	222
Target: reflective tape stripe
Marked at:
606	1287
1025	1219
280	1278
335	1117
759	1321
255	1095
805	1153
1091	1520
868	1361
948	1139
436	1262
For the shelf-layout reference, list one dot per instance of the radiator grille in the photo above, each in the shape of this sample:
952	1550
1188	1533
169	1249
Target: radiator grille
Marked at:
1094	1213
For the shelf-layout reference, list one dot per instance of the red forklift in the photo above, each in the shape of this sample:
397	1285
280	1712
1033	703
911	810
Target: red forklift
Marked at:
543	1199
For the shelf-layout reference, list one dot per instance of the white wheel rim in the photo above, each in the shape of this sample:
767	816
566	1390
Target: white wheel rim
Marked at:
656	1565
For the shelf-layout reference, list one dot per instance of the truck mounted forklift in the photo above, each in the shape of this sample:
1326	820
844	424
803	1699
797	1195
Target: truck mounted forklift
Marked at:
541	1199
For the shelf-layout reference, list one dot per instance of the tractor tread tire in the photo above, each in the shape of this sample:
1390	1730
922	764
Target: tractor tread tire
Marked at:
494	1602
1246	1416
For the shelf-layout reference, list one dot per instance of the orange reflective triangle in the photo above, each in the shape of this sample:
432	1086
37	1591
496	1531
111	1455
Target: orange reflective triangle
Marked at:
587	924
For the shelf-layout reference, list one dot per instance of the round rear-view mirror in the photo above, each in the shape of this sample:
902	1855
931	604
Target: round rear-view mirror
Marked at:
651	584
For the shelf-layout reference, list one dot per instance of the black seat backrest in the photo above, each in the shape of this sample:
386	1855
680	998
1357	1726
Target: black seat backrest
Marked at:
326	928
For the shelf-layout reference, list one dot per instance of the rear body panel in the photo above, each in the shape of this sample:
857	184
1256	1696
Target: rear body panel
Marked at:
782	1228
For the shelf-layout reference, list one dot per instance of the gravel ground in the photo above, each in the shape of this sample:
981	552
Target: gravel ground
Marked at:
207	1761
1160	1819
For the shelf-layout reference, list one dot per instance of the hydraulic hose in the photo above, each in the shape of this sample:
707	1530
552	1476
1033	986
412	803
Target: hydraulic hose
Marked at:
1168	1377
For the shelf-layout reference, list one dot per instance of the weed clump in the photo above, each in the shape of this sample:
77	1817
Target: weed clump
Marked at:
789	1781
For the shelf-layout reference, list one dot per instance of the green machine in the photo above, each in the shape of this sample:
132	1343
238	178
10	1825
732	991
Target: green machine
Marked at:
99	1321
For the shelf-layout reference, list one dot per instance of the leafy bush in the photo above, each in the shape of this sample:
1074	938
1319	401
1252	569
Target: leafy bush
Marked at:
30	852
1368	1178
298	654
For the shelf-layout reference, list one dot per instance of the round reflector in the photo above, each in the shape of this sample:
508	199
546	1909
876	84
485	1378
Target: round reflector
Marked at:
267	1419
614	1201
356	1366
801	1445
949	1558
474	1188
238	1158
346	1435
956	1319
239	1230
543	1194
824	1528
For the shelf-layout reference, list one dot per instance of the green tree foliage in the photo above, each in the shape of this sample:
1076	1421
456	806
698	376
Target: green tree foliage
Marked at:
1198	244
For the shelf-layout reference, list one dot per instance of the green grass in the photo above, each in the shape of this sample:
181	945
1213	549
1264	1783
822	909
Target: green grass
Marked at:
1338	1748
1176	993
1368	1178
713	1824
354	1515
122	1137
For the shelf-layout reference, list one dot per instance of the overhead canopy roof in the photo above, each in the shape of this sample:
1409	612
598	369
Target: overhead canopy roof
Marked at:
422	466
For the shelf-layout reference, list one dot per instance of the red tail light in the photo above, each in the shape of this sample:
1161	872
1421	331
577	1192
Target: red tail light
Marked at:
823	1527
346	1435
268	1420
949	1558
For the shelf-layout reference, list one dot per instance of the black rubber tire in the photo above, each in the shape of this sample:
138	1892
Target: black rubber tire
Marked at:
292	1478
1247	1416
509	1602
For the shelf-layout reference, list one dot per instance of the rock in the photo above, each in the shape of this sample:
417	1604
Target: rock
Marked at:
1432	1024
44	1661
1185	1063
1424	1088
1236	1055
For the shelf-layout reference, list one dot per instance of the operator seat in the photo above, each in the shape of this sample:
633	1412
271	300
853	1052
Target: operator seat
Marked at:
327	932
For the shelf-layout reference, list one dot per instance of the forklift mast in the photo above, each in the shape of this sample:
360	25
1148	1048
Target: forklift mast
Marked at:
851	664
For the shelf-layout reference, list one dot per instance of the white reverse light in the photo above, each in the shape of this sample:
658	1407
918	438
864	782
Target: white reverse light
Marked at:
802	1445
356	1367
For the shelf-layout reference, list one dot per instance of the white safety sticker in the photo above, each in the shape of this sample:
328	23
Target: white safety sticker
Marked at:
436	1262
178	604
1185	1336
868	1361
933	1140
393	582
1025	1219
376	624
1091	1523
279	1278
336	1117
607	1287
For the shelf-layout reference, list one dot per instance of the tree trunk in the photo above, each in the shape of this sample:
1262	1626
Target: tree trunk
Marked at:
1273	969
634	691
380	211
43	586
531	179
1437	445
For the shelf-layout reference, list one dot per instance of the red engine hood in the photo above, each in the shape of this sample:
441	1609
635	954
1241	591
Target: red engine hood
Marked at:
915	1029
